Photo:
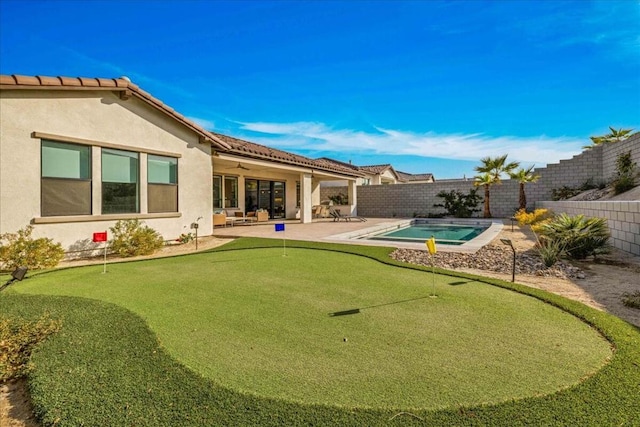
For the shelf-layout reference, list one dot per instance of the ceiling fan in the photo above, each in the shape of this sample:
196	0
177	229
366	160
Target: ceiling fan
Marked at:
242	167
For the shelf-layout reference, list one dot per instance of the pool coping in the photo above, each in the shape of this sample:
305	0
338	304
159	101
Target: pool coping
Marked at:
472	246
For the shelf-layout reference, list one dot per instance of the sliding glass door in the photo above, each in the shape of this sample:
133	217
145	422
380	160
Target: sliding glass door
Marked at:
267	195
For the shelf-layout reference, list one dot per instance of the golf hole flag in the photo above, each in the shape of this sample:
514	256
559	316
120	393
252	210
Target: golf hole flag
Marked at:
431	245
100	237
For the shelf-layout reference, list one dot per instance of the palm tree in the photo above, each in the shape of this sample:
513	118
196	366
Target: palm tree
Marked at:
491	170
614	136
524	176
485	180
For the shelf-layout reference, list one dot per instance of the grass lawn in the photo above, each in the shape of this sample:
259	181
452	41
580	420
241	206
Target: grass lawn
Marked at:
254	328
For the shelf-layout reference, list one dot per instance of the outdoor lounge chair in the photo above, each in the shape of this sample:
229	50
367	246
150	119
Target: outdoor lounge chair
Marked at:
337	216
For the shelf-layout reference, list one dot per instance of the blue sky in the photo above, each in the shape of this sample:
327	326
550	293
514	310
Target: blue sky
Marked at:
427	86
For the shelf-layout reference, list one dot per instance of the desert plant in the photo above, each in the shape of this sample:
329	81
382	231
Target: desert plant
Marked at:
523	176
17	339
580	236
625	173
23	250
131	238
186	238
563	193
490	172
613	136
530	218
551	251
458	204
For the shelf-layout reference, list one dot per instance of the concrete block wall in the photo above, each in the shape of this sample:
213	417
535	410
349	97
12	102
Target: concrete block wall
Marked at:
612	151
623	219
573	173
409	200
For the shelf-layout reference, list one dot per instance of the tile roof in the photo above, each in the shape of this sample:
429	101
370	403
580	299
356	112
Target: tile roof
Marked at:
122	85
376	168
337	163
221	143
415	176
251	149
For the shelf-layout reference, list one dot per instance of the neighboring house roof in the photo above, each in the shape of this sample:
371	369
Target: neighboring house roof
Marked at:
258	151
121	85
410	177
336	163
379	170
221	143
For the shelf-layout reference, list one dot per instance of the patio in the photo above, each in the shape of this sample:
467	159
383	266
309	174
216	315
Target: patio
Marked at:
328	230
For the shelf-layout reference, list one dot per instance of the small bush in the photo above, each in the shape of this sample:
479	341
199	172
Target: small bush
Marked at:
18	337
550	252
458	204
564	193
340	199
580	236
526	218
631	299
625	173
23	250
132	238
186	238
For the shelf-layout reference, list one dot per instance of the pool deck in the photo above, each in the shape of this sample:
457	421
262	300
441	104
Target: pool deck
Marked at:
346	232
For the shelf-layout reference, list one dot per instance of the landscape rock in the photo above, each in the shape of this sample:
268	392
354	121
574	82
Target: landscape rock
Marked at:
491	258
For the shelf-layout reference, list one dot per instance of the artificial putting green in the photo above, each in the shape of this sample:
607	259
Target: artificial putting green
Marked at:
258	322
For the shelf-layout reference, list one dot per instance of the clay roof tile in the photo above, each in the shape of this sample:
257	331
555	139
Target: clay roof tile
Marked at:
89	82
106	82
70	81
26	80
49	81
7	80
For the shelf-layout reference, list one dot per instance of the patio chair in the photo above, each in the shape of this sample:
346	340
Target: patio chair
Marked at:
337	216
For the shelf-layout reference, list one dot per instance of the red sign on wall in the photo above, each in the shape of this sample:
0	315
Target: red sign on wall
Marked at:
100	237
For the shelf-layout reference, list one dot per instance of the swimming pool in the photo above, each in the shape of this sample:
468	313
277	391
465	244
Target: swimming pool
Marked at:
419	231
461	235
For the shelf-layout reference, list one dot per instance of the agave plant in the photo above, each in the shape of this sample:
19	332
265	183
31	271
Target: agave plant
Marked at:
579	236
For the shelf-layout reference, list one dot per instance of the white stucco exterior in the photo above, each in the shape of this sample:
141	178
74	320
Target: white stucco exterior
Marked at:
99	119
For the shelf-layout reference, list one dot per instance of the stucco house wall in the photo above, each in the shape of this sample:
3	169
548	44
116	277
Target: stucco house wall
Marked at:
106	119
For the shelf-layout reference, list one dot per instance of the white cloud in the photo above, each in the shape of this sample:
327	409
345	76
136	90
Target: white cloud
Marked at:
203	123
311	136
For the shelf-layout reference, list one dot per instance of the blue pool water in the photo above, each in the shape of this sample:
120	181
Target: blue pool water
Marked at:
448	234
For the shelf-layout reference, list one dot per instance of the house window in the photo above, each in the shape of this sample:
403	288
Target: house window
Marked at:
230	192
120	181
162	188
66	179
217	192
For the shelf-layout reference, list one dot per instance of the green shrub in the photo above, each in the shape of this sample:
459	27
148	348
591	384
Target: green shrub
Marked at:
564	193
631	299
186	238
18	337
579	236
132	238
458	204
340	199
550	251
23	250
625	173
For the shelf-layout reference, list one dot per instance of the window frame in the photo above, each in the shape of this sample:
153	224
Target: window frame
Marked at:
171	188
107	183
83	182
